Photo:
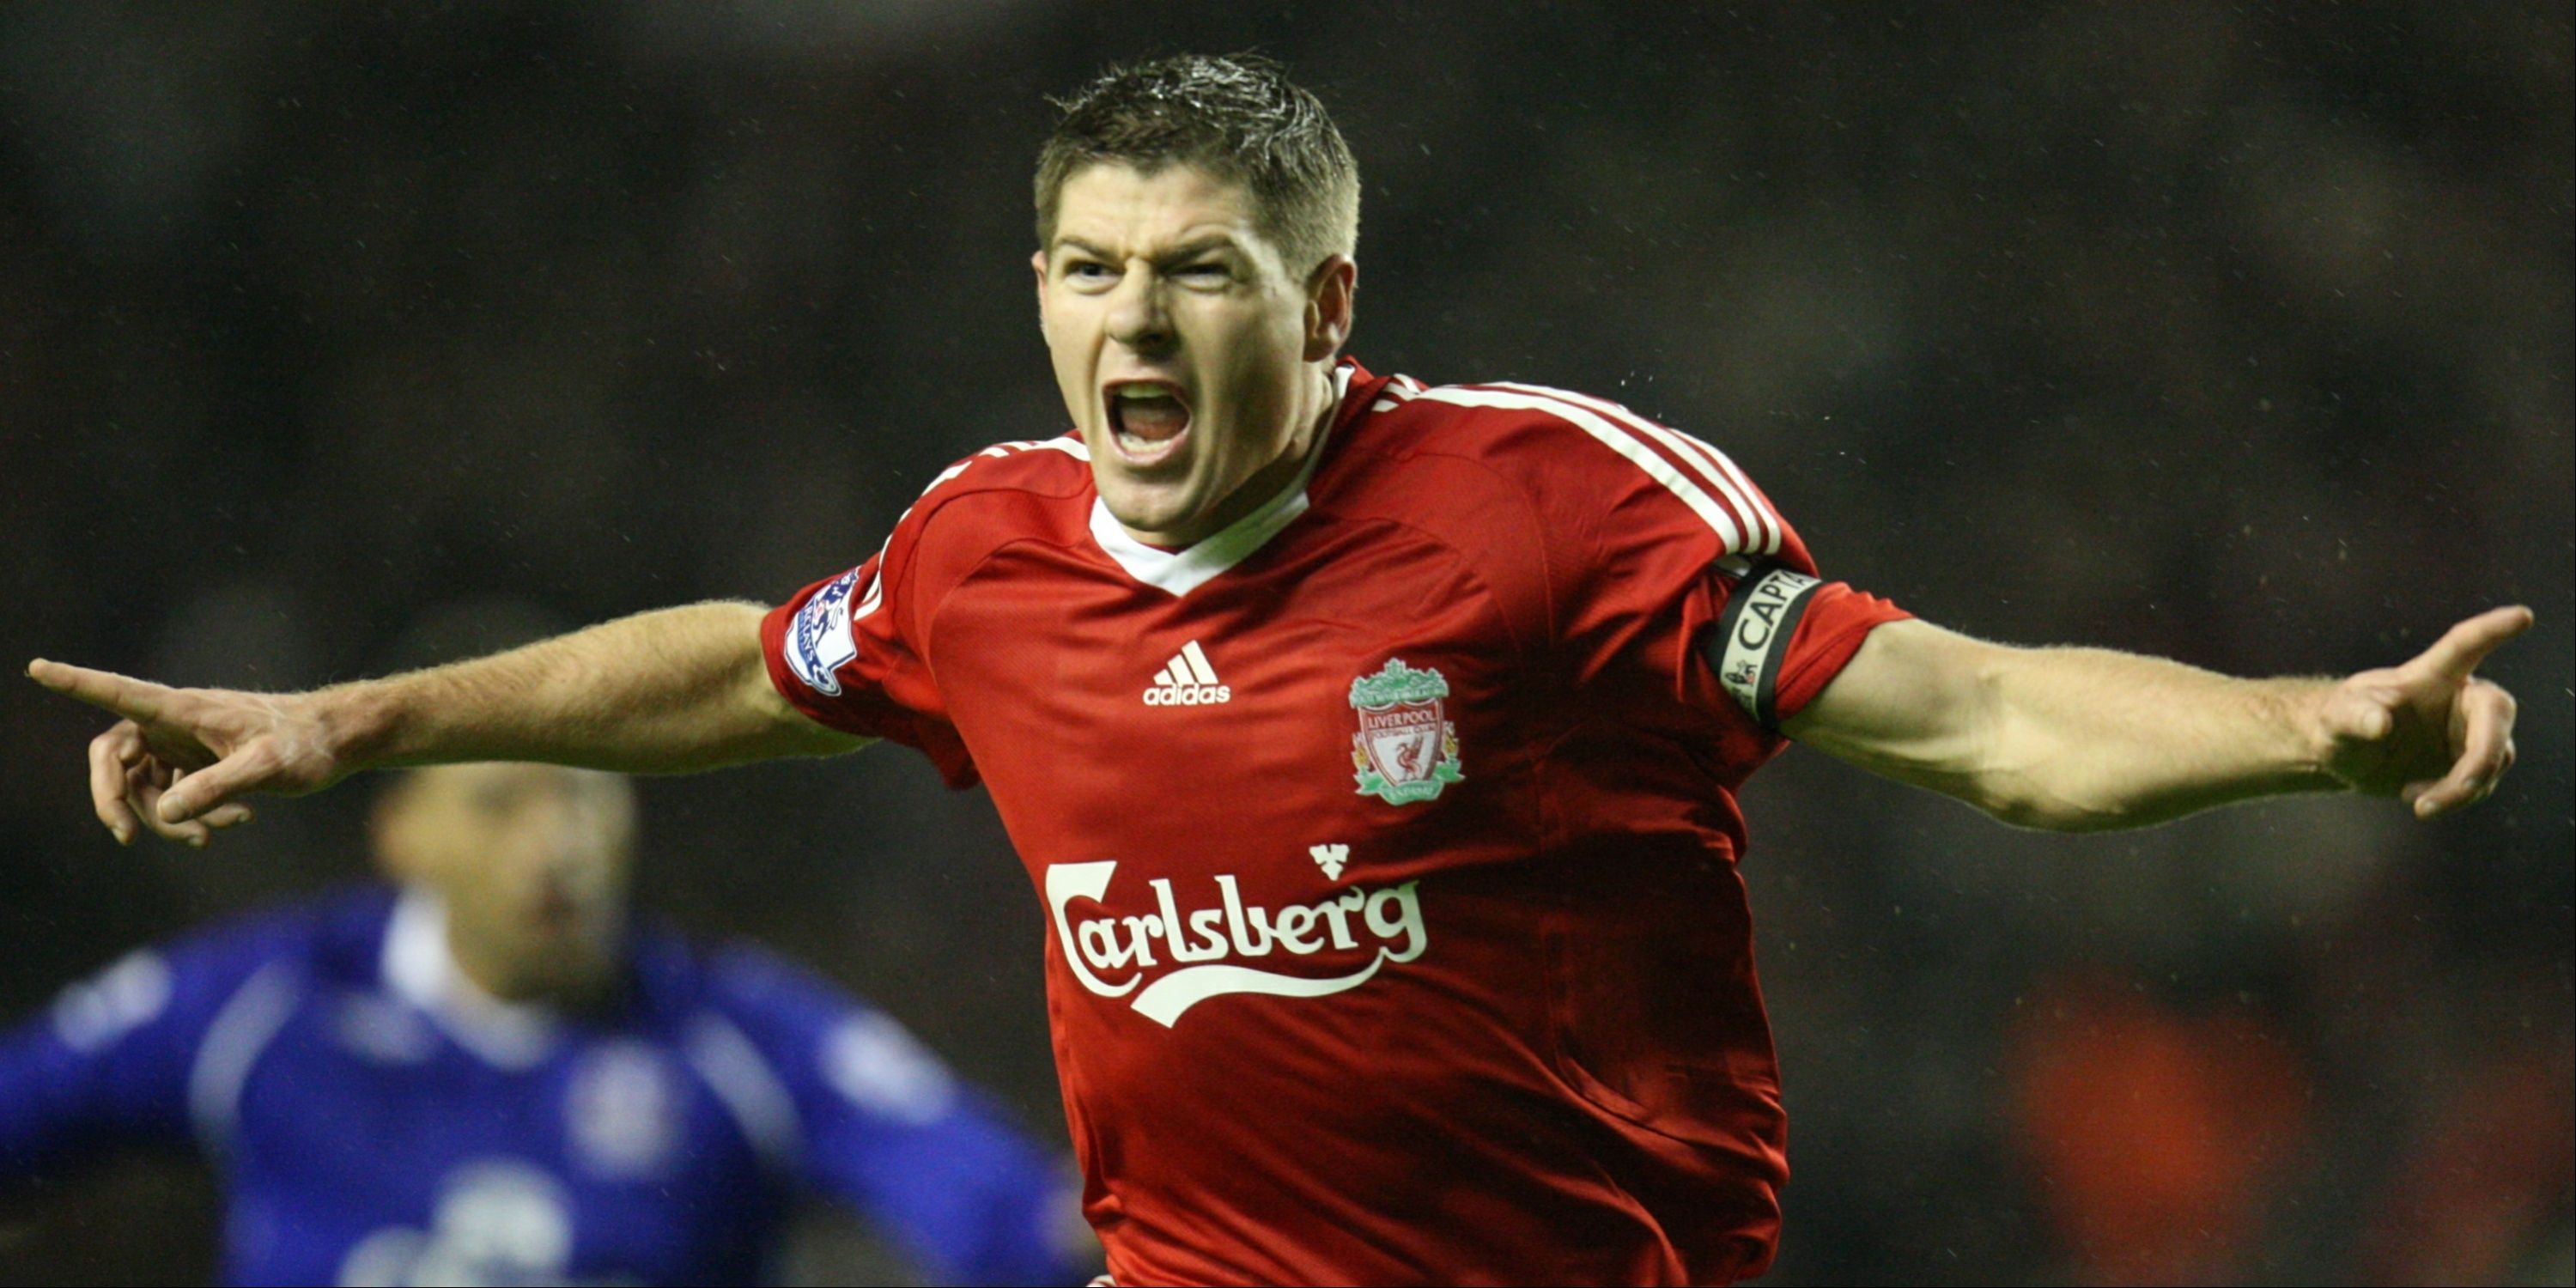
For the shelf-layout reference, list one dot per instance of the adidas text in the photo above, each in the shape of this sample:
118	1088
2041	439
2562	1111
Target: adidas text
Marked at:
1188	680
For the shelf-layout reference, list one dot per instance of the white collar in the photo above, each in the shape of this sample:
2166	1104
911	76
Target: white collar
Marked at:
1181	572
420	969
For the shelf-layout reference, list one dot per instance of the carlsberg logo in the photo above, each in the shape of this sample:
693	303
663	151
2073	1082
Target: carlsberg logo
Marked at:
1112	955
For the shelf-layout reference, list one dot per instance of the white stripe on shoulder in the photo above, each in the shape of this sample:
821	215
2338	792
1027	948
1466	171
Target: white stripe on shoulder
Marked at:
1617	438
242	1028
873	598
749	1089
1769	517
1762	527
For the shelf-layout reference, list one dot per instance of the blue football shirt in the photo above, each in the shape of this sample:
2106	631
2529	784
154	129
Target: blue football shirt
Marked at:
375	1119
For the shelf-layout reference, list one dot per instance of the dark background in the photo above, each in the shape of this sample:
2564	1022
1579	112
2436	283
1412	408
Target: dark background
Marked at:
336	338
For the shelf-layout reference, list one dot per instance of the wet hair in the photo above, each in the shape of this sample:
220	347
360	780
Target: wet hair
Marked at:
1240	119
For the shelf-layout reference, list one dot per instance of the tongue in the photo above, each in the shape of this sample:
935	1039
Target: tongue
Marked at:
1152	419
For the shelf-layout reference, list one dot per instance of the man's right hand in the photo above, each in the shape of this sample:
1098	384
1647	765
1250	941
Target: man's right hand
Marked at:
675	690
180	759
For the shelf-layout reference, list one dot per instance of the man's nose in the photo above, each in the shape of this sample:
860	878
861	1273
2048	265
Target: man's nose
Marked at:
564	847
1137	318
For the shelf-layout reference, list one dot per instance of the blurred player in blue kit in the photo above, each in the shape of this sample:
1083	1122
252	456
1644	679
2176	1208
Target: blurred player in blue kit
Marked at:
490	1074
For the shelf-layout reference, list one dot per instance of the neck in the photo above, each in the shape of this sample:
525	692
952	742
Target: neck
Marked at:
1302	444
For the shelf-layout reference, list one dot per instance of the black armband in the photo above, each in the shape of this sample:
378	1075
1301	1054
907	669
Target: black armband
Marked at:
1751	642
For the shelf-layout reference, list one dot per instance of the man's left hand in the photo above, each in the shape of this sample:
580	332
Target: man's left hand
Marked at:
2429	731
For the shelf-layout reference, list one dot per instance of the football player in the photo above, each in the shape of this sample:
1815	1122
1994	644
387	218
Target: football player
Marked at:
1371	744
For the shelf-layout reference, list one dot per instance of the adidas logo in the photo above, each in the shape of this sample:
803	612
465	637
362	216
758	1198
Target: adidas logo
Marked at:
1187	681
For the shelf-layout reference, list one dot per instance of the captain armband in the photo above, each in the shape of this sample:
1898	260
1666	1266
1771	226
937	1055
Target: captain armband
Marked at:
1751	642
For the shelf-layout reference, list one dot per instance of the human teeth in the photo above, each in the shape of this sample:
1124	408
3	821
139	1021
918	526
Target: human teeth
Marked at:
1147	417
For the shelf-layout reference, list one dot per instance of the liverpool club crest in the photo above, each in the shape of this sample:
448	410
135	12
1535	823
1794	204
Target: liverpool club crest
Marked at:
1406	749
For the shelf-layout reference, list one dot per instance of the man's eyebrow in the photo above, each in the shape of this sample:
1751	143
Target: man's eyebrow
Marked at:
1187	249
1197	246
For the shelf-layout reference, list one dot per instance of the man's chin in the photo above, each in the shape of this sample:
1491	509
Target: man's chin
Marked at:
573	964
1153	513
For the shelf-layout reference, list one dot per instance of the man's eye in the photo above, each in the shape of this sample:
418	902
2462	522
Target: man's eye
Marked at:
1205	273
1087	270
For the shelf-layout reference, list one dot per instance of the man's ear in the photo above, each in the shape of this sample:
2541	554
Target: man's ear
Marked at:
1330	297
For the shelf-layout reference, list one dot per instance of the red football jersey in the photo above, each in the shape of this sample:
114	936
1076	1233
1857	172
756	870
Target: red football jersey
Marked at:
1387	838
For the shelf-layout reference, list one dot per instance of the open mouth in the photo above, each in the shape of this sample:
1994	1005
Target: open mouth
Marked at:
555	910
1149	419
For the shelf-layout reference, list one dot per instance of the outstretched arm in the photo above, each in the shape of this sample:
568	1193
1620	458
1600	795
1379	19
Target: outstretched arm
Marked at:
670	691
2087	739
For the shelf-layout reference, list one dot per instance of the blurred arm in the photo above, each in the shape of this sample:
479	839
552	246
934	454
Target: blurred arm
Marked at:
109	1063
670	691
2074	739
55	1104
890	1132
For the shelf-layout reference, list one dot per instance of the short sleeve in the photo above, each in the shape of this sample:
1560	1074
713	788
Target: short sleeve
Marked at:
887	1129
1656	539
1782	635
843	651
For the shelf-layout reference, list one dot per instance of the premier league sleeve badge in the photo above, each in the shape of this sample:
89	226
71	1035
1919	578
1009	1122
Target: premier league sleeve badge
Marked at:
820	641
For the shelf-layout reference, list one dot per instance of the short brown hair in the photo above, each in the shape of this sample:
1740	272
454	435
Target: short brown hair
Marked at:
1240	119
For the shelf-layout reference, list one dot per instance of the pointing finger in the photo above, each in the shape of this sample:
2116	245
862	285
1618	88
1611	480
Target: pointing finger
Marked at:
134	699
2465	645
